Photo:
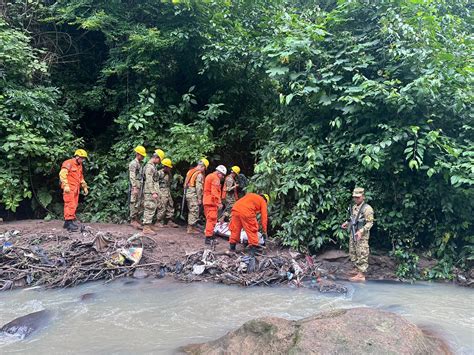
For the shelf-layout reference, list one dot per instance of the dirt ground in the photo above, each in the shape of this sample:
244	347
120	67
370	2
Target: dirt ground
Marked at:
172	244
171	247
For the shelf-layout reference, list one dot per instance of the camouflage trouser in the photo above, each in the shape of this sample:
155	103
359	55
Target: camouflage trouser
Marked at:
135	207
359	252
229	203
149	204
165	207
193	206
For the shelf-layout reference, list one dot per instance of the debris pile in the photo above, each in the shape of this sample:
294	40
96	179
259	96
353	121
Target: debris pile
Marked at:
64	261
232	269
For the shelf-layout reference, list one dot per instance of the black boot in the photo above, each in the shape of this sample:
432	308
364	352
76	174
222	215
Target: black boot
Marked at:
232	247
72	227
66	224
207	241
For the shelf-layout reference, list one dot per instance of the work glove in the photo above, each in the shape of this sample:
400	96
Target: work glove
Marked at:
66	189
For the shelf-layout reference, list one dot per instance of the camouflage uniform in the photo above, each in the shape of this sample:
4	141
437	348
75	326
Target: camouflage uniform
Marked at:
135	178
230	195
165	208
359	251
193	196
150	187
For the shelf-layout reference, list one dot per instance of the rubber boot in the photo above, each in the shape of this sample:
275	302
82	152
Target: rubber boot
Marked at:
207	241
66	224
72	227
147	230
171	224
232	250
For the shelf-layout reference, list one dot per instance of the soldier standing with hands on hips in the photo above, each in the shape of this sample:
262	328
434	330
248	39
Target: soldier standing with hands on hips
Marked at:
361	220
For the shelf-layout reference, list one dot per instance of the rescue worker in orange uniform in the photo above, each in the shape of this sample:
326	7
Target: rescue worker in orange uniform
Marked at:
72	179
212	200
244	215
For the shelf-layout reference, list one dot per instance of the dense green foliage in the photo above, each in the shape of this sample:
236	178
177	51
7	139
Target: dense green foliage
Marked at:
309	97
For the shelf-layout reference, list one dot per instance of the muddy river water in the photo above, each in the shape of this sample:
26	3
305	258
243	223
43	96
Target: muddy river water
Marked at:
158	316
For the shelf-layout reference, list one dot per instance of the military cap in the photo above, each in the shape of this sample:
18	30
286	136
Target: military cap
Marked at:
358	192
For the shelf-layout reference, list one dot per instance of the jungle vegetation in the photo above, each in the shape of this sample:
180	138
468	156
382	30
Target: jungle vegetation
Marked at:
310	98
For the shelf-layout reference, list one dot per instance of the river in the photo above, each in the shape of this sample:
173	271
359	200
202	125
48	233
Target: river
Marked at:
157	316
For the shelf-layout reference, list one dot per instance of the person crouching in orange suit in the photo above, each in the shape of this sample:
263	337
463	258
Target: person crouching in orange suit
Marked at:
244	215
212	200
72	180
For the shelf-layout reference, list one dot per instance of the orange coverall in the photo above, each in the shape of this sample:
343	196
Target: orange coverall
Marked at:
244	215
211	201
71	174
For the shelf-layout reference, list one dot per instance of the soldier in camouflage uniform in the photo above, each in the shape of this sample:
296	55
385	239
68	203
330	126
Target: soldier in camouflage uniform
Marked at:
150	191
229	192
362	219
165	208
135	185
194	188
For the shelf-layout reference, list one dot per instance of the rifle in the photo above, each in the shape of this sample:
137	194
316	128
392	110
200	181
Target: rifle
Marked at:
354	221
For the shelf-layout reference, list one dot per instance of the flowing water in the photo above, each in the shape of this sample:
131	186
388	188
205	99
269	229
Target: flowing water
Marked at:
158	316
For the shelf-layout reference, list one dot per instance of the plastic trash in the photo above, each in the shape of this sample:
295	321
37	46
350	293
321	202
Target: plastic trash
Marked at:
198	269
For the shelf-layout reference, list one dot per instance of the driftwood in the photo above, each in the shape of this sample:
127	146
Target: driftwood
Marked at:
67	261
232	269
62	260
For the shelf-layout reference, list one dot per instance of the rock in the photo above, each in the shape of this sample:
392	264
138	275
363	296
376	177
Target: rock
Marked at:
87	297
332	255
328	286
24	326
140	274
344	331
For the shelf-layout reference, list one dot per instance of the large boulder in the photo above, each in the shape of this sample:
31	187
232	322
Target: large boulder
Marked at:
344	331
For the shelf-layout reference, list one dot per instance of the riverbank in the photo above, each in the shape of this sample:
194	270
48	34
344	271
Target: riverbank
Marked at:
42	253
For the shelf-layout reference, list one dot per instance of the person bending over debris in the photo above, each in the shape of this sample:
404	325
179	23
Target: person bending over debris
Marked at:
135	188
212	200
165	208
72	179
244	215
361	220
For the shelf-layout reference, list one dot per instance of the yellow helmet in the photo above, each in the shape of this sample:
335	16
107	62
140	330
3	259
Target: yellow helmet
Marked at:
235	169
140	150
167	162
81	153
160	153
266	197
205	162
